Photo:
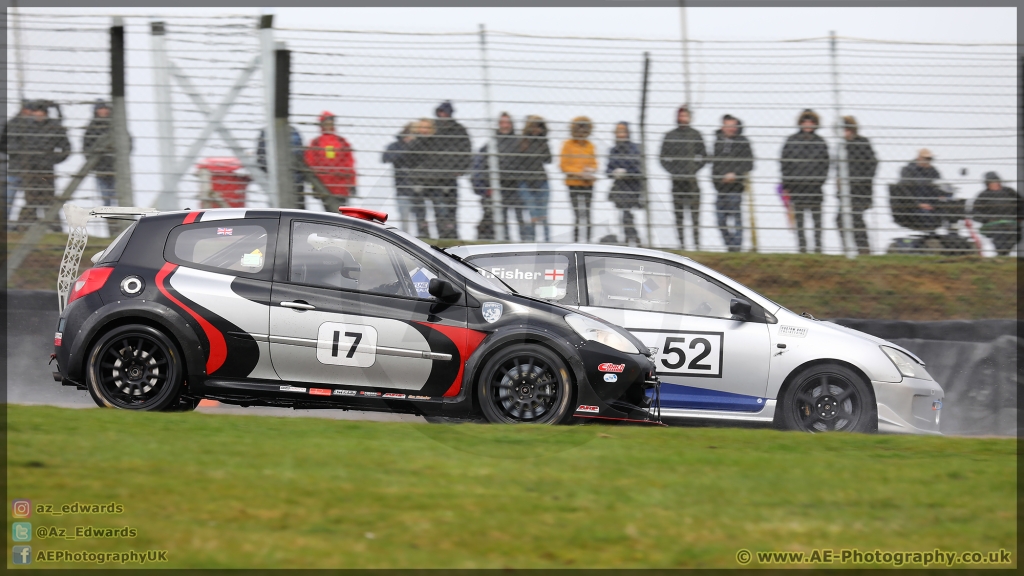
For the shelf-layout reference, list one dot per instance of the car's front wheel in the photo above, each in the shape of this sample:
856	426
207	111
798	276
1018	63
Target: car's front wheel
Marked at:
135	367
828	398
525	384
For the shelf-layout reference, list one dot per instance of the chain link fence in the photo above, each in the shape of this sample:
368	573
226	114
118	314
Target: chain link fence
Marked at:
958	103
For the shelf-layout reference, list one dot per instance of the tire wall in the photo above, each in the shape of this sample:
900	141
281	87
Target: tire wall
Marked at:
974	361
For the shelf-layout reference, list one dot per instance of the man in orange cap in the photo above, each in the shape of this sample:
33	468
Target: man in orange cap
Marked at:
330	157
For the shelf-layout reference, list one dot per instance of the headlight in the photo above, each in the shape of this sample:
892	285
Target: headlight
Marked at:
905	364
591	329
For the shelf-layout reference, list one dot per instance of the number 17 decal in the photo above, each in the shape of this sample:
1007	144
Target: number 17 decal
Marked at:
346	344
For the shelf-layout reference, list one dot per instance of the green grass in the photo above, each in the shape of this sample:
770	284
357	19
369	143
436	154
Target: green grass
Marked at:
244	491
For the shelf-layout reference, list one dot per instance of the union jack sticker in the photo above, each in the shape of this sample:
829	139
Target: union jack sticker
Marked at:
225	231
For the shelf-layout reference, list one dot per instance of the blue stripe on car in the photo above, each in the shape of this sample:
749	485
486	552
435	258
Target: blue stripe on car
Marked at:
692	398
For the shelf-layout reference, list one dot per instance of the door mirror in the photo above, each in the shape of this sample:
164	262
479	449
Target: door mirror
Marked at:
740	309
443	290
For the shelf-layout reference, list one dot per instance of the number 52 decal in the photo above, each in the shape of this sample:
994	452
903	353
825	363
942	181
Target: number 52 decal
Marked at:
686	353
346	344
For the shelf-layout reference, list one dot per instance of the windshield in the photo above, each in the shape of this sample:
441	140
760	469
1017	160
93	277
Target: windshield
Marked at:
471	274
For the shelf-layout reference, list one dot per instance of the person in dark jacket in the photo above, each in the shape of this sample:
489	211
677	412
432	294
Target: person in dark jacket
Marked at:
480	180
682	155
33	147
998	210
298	160
804	171
104	169
412	213
442	159
916	200
19	124
861	167
732	160
508	178
534	190
627	186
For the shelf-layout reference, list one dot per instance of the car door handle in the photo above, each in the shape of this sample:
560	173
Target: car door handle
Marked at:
298	305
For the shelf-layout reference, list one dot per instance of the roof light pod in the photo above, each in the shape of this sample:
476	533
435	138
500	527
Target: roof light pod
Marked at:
364	214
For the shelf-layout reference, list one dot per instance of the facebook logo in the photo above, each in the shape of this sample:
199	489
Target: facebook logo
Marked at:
21	555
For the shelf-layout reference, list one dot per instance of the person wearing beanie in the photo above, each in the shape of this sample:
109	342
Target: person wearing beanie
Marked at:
916	200
732	161
331	159
861	167
998	209
805	163
533	153
579	163
682	155
443	157
627	186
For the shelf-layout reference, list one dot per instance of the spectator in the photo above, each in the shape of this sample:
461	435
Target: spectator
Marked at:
412	215
480	179
330	157
804	171
580	167
298	160
733	160
34	146
917	200
104	169
998	210
861	162
17	126
508	178
624	169
533	154
682	155
442	158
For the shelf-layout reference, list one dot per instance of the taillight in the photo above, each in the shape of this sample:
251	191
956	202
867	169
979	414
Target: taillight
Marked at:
90	281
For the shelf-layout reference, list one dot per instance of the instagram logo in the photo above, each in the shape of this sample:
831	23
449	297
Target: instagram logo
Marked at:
21	508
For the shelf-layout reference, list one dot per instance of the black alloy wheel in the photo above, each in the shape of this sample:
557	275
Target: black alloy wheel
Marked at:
525	384
829	398
135	367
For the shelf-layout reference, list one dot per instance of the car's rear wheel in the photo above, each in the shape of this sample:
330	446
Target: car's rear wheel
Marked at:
525	384
135	367
829	398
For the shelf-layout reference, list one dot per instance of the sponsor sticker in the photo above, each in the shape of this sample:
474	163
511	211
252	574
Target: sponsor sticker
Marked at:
418	397
57	338
292	389
344	392
394	395
225	231
609	367
369	394
320	391
491	311
611	377
792	331
588	408
554	274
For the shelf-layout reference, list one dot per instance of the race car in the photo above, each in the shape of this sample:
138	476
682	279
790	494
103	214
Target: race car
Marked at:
724	351
314	310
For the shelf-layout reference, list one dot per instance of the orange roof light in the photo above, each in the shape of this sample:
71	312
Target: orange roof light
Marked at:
364	214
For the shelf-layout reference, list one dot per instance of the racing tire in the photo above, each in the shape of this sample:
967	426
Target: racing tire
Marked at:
135	367
828	398
525	384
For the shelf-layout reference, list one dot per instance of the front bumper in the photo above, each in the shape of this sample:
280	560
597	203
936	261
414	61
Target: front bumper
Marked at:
912	406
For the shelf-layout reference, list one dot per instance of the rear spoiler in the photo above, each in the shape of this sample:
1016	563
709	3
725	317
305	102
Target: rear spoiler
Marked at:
77	218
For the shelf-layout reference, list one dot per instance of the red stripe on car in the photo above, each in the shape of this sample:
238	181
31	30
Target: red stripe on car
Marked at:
218	348
192	217
467	341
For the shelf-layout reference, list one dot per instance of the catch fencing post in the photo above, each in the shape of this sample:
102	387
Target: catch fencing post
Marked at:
643	149
842	162
119	121
167	197
267	61
492	146
281	132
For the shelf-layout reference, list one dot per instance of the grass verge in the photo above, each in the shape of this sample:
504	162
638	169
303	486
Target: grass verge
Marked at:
244	491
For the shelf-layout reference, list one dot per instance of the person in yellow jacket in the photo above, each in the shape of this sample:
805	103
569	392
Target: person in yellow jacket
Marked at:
580	166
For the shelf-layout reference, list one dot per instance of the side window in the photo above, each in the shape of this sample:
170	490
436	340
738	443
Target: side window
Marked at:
544	276
228	245
653	286
338	257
